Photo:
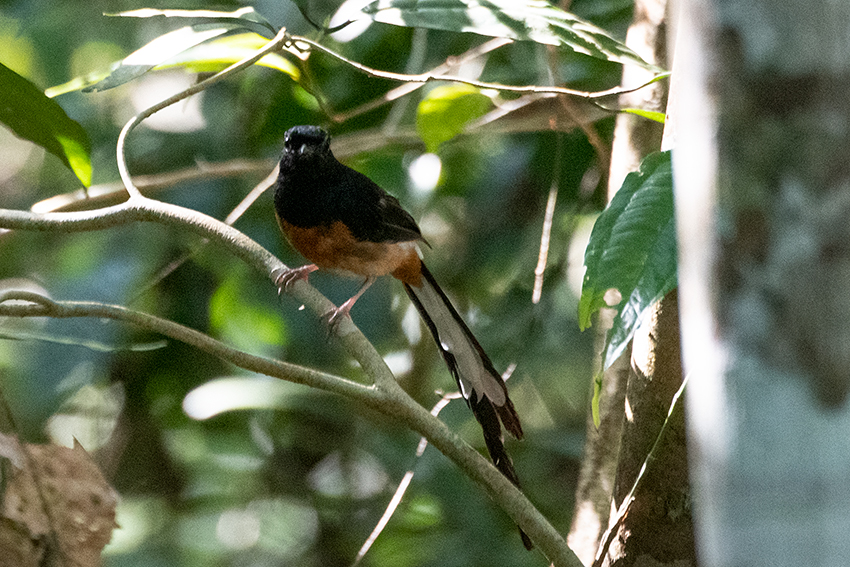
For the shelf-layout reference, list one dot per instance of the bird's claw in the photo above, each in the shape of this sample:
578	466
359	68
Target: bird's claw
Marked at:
334	317
284	278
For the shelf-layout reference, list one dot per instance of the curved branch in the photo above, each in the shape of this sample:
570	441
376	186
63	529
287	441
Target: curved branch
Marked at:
37	305
385	396
282	38
389	400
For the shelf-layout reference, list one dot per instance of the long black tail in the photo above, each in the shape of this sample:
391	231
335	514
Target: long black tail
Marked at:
482	387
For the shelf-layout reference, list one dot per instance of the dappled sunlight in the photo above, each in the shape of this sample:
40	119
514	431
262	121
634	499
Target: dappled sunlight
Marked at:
231	394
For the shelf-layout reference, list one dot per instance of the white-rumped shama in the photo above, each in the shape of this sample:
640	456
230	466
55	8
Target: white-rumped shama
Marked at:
341	221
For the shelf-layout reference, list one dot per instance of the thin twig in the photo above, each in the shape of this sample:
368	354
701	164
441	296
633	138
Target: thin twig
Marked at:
429	77
278	42
407	88
548	219
609	534
402	486
231	218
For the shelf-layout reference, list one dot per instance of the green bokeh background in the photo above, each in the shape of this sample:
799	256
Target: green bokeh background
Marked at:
301	478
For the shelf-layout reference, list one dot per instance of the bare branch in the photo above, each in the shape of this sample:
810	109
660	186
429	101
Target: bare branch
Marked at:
385	395
29	304
280	40
429	77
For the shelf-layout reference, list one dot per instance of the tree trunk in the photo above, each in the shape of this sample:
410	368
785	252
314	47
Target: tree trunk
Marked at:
642	389
762	173
652	522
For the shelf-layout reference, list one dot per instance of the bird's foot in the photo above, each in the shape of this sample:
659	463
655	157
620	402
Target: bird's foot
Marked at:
334	317
284	278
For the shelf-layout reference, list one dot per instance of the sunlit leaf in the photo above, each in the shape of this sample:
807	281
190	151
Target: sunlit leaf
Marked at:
246	15
217	54
33	116
531	20
159	51
76	84
90	63
659	117
632	249
446	110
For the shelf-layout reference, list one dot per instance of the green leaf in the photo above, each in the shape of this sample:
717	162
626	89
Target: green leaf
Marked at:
219	53
76	84
159	51
529	20
445	112
632	249
659	117
33	116
248	17
595	400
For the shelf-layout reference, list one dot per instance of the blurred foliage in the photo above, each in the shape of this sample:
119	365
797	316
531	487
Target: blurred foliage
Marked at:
298	477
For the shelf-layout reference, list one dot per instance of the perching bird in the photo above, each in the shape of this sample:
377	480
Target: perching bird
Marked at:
341	221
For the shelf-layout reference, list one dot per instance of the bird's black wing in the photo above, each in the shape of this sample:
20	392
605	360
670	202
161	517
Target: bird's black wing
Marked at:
371	213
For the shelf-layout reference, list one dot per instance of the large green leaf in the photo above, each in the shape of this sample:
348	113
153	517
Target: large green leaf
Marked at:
215	55
632	249
33	116
531	20
205	56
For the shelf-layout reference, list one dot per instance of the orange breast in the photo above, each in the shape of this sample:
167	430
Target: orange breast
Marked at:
335	248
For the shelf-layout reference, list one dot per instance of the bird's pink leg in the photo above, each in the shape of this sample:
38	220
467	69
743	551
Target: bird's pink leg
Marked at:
335	315
284	278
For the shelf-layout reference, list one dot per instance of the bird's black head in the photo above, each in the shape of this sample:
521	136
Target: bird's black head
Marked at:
306	142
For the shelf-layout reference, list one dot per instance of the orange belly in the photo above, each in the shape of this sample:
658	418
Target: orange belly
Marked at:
335	248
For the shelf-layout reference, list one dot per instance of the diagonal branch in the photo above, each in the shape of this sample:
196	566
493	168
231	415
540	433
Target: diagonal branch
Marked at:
29	304
385	396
